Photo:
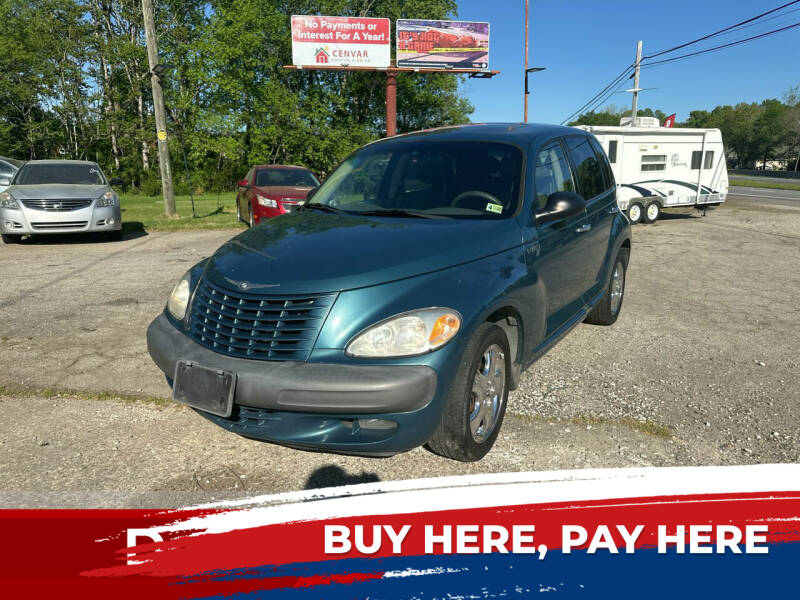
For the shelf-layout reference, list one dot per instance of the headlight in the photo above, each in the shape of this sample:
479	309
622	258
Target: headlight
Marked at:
179	299
407	334
263	201
7	201
108	199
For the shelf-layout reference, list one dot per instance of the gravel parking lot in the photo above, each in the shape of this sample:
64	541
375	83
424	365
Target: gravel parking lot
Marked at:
701	368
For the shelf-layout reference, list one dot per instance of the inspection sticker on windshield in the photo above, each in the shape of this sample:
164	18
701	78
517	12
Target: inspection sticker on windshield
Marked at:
495	208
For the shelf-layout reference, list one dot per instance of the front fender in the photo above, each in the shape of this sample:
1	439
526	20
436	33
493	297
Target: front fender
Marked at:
474	289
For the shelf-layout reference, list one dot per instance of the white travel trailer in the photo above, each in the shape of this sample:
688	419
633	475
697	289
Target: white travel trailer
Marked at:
663	167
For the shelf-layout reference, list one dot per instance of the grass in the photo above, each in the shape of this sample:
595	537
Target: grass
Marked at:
775	185
49	393
646	427
213	211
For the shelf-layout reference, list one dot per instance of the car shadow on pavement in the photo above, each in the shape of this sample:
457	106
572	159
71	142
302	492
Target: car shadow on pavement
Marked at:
333	476
130	231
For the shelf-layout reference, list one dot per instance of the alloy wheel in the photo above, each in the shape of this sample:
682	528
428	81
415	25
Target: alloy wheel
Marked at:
487	393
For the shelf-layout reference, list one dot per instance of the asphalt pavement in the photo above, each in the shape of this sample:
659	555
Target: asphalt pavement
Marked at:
766	195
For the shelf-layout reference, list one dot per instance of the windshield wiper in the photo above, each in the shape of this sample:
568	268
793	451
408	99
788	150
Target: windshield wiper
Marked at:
325	207
400	212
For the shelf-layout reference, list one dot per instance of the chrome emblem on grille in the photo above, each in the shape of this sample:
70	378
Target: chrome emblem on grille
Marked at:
57	205
244	285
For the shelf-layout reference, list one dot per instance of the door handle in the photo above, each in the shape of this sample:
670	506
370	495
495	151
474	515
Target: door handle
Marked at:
583	228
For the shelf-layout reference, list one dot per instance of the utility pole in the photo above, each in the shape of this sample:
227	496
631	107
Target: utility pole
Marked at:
527	18
636	89
158	108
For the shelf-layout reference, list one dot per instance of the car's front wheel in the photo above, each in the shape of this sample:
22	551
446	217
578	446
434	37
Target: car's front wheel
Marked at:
238	211
475	407
251	218
11	239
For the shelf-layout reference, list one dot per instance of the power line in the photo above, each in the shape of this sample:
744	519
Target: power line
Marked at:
621	77
710	35
728	45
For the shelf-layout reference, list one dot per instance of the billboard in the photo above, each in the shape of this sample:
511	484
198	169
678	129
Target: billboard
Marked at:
423	43
340	41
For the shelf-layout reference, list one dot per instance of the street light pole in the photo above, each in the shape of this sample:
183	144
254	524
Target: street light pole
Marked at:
530	70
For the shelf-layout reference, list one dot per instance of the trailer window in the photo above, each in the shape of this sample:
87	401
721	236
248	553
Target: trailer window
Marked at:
654	162
707	163
612	151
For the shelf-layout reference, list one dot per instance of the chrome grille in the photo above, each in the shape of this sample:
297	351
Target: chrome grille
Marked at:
59	225
57	205
256	326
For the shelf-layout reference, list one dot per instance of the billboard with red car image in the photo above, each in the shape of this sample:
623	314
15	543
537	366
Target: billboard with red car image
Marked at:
428	44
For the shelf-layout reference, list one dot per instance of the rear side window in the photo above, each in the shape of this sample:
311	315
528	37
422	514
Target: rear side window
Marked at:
588	171
606	168
551	173
6	170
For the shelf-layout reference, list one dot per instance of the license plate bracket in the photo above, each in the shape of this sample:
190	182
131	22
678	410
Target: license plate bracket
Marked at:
205	388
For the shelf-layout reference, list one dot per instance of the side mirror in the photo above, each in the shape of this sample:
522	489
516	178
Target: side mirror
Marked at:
117	181
561	205
242	183
5	181
311	193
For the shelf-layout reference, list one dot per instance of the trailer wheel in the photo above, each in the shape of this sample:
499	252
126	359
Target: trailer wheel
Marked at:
652	213
635	213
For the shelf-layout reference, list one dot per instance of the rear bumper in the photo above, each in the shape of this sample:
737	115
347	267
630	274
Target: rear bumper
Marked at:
313	405
26	221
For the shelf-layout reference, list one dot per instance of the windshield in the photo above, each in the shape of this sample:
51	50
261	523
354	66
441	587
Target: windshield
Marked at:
67	173
287	177
478	180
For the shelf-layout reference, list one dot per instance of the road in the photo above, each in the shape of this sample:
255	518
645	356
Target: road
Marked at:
766	196
703	367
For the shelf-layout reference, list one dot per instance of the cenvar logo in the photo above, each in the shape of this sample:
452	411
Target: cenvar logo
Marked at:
321	55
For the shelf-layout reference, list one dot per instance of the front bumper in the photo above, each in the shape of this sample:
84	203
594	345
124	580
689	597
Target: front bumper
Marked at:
313	405
27	221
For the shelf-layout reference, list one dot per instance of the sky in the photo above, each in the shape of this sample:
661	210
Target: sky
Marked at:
584	44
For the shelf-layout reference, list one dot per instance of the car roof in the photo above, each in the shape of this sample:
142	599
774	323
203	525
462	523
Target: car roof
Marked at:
280	167
59	161
13	161
520	134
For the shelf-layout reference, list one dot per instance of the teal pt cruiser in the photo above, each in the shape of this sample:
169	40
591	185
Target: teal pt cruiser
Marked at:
400	304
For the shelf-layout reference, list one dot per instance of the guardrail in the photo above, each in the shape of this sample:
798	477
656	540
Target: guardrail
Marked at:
762	173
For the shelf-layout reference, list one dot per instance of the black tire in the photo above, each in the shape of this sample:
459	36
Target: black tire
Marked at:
651	213
11	238
453	437
606	311
635	214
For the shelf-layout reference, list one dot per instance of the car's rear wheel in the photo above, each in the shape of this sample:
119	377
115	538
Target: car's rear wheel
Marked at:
607	310
635	213
474	409
251	218
652	213
238	211
11	239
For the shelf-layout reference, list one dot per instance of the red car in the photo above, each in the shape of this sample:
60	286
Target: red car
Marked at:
271	190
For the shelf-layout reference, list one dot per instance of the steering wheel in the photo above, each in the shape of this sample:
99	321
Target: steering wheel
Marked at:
476	194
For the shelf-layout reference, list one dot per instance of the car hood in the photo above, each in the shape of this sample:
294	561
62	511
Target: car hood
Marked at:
312	252
284	191
57	190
